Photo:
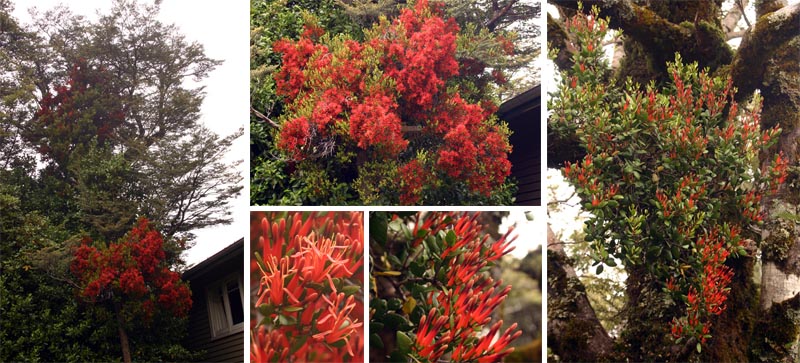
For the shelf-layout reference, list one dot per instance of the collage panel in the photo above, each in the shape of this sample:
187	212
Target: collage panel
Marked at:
307	286
673	181
397	103
454	286
121	180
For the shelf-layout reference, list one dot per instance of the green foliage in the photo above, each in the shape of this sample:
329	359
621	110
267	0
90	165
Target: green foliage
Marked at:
271	183
118	137
431	288
671	177
487	47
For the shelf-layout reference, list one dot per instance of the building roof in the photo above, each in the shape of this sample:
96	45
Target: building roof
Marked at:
235	249
522	102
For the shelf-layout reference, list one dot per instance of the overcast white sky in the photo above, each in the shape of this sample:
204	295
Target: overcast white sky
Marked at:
532	234
223	29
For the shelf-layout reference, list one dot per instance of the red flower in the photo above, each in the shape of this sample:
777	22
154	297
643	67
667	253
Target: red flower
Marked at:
306	261
133	269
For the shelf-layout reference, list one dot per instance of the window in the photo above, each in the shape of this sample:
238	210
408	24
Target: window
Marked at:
225	307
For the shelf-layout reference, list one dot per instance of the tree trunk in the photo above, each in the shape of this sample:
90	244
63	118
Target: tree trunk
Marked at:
767	61
123	336
573	331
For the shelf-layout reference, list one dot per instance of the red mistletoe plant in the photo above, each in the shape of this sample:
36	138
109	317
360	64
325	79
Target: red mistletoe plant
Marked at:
392	100
432	296
308	272
84	109
670	176
133	276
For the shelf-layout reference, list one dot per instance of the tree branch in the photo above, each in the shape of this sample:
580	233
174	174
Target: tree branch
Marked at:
662	38
264	117
733	16
759	43
492	23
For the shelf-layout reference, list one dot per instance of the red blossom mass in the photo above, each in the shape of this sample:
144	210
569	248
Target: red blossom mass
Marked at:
656	188
397	77
132	270
74	113
309	272
466	304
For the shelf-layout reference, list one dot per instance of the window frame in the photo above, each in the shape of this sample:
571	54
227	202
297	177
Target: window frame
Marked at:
220	288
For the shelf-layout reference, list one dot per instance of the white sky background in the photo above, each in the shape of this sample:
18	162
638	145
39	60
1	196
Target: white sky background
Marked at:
223	29
530	234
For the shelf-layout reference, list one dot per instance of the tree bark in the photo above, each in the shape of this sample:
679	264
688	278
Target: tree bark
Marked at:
666	27
573	331
767	61
123	336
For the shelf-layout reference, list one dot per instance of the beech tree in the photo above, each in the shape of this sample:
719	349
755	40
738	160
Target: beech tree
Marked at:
689	181
431	294
100	128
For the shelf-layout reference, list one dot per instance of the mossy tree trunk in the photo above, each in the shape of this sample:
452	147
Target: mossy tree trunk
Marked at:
573	331
767	62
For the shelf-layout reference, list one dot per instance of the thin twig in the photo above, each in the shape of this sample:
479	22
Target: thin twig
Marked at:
264	117
741	8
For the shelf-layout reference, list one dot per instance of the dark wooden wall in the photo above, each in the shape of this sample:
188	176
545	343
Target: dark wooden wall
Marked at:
227	348
523	114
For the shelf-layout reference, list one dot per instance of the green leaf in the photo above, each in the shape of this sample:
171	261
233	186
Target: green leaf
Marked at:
395	303
260	261
394	320
286	320
396	225
432	245
266	309
450	238
403	342
599	269
378	227
699	347
292	309
298	342
350	290
394	260
375	341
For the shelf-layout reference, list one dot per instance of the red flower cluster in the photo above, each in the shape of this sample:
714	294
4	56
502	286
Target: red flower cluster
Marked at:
460	310
414	178
713	287
73	113
133	270
308	280
660	165
396	77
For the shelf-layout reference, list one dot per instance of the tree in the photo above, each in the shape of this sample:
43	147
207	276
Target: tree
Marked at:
97	129
276	178
309	269
679	183
430	290
132	279
93	90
